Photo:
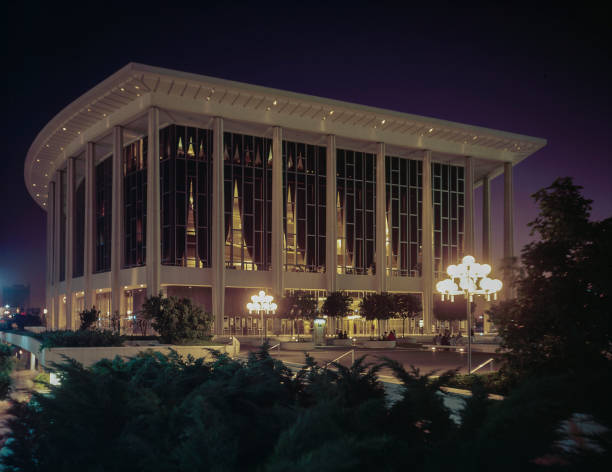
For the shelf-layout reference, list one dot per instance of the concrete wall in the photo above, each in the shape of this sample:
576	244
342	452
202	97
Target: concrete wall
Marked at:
90	355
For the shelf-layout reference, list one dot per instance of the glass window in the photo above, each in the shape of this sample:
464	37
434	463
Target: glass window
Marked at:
304	179
135	203
63	209
103	220
79	218
355	208
403	216
186	195
448	185
247	174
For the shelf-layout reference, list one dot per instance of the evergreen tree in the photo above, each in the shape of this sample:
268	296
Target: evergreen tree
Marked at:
561	317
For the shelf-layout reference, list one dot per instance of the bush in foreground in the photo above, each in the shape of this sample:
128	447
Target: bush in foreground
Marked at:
7	362
165	413
80	338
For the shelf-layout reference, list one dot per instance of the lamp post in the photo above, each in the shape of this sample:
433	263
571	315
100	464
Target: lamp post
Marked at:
262	303
473	280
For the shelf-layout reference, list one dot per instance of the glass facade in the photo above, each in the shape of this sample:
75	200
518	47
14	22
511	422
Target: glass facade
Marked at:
247	174
63	187
79	219
355	210
404	192
448	211
135	203
186	195
103	218
304	174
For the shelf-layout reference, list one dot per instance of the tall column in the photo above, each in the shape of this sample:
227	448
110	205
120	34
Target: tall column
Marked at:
58	221
427	260
331	248
89	246
486	219
468	239
116	228
218	228
381	208
51	293
277	212
70	186
508	226
153	257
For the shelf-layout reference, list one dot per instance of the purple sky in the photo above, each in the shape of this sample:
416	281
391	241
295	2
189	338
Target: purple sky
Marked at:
544	73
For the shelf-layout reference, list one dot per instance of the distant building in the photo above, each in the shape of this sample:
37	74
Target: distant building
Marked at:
16	296
160	181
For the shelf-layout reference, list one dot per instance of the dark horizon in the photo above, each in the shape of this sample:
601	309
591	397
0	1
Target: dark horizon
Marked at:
543	73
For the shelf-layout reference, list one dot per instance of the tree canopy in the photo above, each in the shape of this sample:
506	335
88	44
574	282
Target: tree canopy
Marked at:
377	306
561	318
407	305
178	320
336	304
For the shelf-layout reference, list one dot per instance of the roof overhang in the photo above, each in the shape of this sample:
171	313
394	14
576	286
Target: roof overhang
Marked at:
126	96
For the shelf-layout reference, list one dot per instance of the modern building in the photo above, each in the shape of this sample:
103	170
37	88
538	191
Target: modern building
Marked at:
159	181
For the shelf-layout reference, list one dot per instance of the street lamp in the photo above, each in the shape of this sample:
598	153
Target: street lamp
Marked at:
473	280
261	304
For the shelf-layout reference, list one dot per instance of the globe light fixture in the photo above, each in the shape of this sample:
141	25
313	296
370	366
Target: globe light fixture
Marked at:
472	279
262	304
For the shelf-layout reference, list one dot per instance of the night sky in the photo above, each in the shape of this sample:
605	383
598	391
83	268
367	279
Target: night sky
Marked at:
543	73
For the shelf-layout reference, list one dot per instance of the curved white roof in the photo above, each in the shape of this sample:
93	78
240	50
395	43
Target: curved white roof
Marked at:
131	90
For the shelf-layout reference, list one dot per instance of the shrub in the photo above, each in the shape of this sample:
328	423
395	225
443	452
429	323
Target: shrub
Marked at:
88	318
89	338
178	321
164	413
7	363
5	385
6	358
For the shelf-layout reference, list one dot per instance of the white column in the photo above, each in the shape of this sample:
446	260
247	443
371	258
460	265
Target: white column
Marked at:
153	258
277	212
117	226
427	259
508	225
468	238
58	221
90	210
381	207
70	187
486	220
51	294
218	228
331	248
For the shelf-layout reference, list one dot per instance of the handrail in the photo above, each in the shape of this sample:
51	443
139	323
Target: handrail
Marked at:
352	351
483	364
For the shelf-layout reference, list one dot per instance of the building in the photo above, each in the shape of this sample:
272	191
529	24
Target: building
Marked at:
163	181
